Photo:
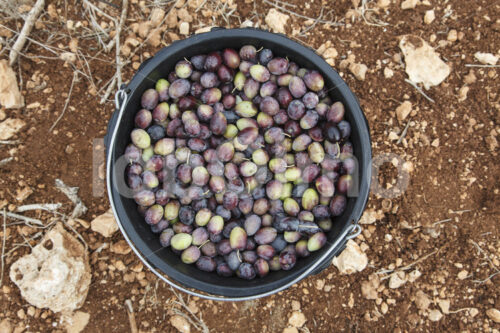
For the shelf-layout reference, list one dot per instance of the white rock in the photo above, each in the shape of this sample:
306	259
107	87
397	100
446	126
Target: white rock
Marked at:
330	52
462	275
105	224
422	301
473	312
429	16
403	110
75	322
10	97
180	323
56	275
444	304
423	64
204	29
359	70
486	58
6	326
369	288
370	216
409	4
297	319
68	57
184	28
397	280
383	3
246	24
414	275
435	315
493	314
157	15
9	127
351	260
276	21
388	73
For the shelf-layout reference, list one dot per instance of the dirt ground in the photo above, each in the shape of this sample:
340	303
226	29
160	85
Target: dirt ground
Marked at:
445	226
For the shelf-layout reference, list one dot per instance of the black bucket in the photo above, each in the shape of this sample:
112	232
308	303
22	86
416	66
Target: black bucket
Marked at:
162	261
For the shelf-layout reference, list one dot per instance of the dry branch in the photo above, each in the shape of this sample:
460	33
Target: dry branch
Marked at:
71	193
28	25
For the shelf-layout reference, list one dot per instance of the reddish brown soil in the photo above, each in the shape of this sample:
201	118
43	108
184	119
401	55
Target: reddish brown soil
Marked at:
461	173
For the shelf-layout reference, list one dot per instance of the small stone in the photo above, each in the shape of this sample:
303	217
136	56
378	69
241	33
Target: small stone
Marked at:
384	307
444	305
369	288
171	19
320	284
492	142
10	96
403	110
388	238
423	64
144	28
359	71
56	275
452	35
76	322
409	4
422	301
120	265
388	73
397	280
2	115
462	93
9	127
370	216
297	319
351	260
121	247
73	45
470	78
414	275
104	224
276	21
429	16
383	3
184	28
486	58
290	330
330	53
5	326
180	323
68	57
203	30
157	15
462	275
184	15
493	314
295	305
154	37
473	312
23	194
393	136
435	315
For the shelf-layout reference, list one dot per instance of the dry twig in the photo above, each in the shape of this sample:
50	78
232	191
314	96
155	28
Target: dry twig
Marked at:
75	75
3	244
198	323
5	161
26	30
71	193
131	316
414	85
25	219
48	207
123	16
9	142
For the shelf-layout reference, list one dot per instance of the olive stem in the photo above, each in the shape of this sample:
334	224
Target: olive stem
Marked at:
238	255
205	242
